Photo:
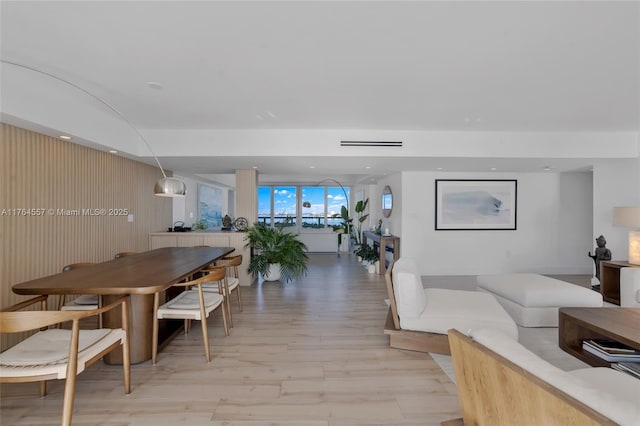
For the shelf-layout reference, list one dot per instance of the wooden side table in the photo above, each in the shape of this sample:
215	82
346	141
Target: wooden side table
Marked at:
576	325
383	241
610	279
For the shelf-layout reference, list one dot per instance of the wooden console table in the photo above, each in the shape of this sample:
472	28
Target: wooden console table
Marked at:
579	324
610	279
384	243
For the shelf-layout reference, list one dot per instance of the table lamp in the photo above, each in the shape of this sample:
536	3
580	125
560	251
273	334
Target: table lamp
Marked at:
629	217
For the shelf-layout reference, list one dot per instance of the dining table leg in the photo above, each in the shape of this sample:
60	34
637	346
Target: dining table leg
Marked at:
140	328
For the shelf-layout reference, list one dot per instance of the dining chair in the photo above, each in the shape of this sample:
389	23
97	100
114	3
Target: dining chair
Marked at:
232	284
192	304
83	302
124	254
233	277
54	353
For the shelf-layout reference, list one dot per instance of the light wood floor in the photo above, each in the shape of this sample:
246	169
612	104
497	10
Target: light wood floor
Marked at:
308	353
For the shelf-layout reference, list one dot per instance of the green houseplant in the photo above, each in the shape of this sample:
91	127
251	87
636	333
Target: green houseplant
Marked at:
277	254
360	207
355	231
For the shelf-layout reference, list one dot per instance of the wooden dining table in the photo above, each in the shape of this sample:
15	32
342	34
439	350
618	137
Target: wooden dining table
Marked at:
140	276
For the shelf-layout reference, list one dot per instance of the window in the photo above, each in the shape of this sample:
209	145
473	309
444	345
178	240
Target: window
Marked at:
264	205
313	207
284	205
318	205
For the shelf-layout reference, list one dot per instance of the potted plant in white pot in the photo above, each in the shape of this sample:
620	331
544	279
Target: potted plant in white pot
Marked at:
369	257
278	255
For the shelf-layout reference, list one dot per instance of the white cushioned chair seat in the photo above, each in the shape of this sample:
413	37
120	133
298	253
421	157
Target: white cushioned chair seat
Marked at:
187	303
46	352
231	282
592	386
84	302
462	310
534	290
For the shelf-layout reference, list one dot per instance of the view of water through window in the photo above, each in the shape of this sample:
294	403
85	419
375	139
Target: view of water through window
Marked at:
318	205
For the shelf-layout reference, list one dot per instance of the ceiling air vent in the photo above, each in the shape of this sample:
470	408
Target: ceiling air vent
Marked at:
371	143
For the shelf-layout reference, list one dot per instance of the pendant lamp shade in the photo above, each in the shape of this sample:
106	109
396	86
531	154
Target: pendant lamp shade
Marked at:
170	187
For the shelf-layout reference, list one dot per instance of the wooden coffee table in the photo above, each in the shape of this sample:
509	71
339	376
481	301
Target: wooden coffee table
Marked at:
578	324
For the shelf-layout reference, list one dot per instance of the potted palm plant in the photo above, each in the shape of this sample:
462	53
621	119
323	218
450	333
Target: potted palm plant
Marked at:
278	255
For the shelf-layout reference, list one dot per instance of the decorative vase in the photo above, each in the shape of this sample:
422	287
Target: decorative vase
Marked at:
371	268
274	273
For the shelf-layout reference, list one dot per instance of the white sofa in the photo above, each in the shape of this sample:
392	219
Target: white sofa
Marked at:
630	287
431	312
500	381
533	300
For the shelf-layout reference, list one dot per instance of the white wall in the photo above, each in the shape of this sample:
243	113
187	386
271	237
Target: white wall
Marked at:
615	183
554	222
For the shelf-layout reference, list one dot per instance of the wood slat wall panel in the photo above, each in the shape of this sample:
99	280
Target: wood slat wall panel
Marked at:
40	172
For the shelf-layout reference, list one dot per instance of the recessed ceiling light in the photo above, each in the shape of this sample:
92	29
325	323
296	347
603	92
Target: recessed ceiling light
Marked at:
65	137
367	167
494	169
438	168
546	168
113	151
312	167
155	85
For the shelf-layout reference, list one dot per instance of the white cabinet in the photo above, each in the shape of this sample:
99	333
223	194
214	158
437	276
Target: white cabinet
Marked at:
213	239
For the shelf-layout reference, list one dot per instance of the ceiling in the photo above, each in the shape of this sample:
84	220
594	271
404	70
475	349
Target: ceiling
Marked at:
478	66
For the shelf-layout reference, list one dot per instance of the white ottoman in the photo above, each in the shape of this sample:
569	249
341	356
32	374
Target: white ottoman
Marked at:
533	300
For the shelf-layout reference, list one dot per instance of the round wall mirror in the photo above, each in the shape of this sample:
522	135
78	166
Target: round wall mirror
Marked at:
387	201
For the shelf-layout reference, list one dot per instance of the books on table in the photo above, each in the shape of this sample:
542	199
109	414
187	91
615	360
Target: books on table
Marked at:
611	351
632	368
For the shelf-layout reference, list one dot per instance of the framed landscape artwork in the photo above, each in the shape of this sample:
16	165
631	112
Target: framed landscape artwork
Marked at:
210	206
468	204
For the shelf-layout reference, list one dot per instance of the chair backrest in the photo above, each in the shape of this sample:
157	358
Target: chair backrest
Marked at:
392	298
214	273
231	262
124	254
72	266
494	390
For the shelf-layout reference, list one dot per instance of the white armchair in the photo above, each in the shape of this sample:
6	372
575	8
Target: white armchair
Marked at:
630	287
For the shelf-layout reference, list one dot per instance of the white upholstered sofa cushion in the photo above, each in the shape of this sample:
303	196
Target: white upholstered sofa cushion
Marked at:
462	310
407	287
534	290
612	393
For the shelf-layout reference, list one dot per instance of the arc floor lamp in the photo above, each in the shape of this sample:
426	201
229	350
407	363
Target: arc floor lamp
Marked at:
166	186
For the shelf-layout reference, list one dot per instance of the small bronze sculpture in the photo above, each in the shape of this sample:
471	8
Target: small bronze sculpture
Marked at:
601	253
